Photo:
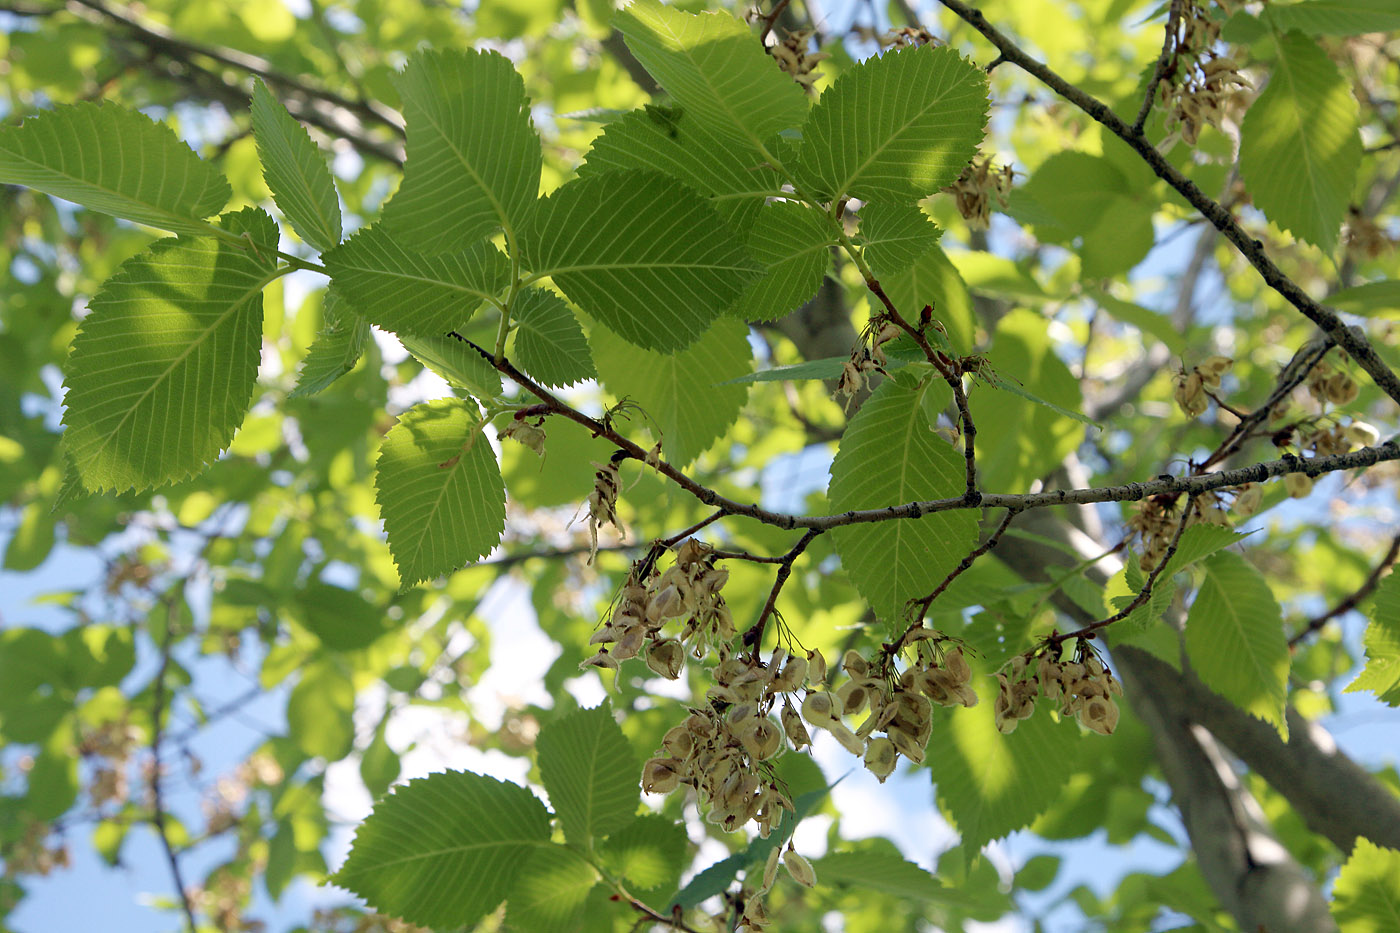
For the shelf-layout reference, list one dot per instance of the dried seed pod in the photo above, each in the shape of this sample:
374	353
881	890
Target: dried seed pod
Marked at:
816	667
666	658
1341	389
1251	496
792	725
881	757
1361	434
800	869
661	775
855	664
956	665
770	869
820	710
1299	485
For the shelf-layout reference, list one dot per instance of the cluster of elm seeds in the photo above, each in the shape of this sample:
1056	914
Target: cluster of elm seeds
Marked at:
1084	688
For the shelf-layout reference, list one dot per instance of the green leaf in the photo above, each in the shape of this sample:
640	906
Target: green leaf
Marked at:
681	393
933	280
379	765
992	784
872	136
1382	640
1374	299
295	171
342	619
886	872
456	362
647	257
455	825
473	159
1025	417
53	776
281	860
1199	542
1334	17
549	344
889	455
793	242
439	490
1366	898
319	712
116	161
895	235
1125	587
732	175
1235	640
1090	197
410	292
336	349
649	852
590	773
1149	322
715	69
1300	147
163	368
548	892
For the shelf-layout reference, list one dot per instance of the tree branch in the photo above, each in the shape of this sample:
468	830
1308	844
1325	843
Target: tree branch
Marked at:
158	811
753	638
1354	343
1351	602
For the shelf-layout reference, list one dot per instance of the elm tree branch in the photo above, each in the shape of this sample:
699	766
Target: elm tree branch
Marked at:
921	607
158	811
753	638
1367	587
1354	343
1166	64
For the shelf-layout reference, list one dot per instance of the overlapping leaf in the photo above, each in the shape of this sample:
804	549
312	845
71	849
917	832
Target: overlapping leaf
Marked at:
715	69
439	490
933	280
793	243
878	869
473	159
452	825
549	344
992	784
336	349
411	292
649	852
1088	196
319	710
590	772
731	174
1300	147
1235	640
647	257
1382	640
116	161
295	172
681	393
899	126
889	455
1366	898
1335	17
1374	299
163	368
894	236
549	891
456	362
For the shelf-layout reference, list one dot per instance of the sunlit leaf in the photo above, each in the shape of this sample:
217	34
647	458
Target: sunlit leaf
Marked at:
295	171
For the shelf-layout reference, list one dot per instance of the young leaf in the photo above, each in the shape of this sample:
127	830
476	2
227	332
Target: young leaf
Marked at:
1366	898
889	455
1374	299
648	852
933	280
992	784
1234	638
871	137
439	490
1300	147
647	257
715	69
894	236
336	349
681	392
319	710
295	172
590	773
116	161
732	175
456	362
409	292
549	344
456	825
877	869
1382	640
163	368
793	243
473	159
549	891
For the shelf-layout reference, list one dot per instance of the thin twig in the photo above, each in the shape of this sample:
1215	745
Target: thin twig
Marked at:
922	606
772	18
1146	592
158	814
1353	341
1292	375
1166	64
753	638
1351	602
